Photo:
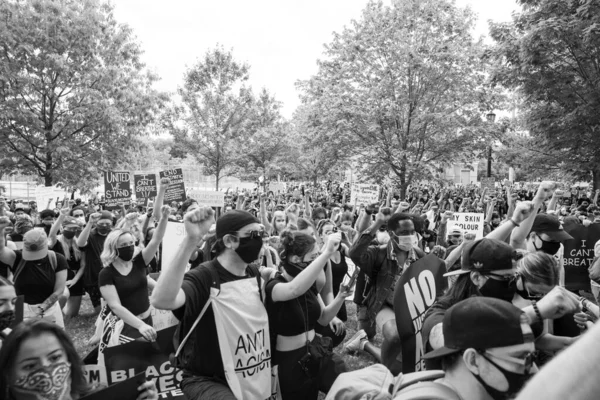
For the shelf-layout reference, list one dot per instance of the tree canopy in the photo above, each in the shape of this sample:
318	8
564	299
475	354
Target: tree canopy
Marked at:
73	90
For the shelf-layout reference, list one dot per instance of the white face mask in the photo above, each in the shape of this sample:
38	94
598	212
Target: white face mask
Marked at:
405	243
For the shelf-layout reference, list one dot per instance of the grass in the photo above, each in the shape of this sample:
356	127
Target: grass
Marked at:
82	327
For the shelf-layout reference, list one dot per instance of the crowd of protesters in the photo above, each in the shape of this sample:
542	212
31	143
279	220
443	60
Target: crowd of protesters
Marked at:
283	264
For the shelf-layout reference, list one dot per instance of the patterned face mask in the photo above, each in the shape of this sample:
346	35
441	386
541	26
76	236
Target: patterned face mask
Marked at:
46	383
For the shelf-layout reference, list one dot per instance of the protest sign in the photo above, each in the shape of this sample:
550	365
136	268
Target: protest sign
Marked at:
174	236
417	289
124	390
176	190
277	187
95	374
127	360
210	198
467	223
117	188
488	183
364	194
145	186
579	254
42	195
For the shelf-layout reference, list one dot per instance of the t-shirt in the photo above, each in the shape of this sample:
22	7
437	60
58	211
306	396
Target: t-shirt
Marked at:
93	264
295	316
204	341
36	280
131	288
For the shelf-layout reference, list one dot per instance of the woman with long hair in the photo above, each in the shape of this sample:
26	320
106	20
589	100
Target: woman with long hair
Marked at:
124	280
39	361
8	298
306	363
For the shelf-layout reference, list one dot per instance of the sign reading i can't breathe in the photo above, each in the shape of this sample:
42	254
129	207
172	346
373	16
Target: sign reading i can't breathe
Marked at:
417	289
467	223
117	188
579	254
145	186
176	189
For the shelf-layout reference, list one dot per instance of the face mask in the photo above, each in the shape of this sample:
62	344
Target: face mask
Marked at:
382	237
103	230
126	253
295	268
6	319
249	249
515	383
46	383
405	243
503	290
548	247
68	234
495	224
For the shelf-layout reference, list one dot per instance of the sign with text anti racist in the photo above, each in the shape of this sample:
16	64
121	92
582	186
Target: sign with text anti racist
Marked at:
578	254
145	186
420	284
117	189
176	189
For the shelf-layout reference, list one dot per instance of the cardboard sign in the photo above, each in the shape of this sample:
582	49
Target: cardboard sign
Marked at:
145	186
174	236
129	359
467	223
210	198
579	254
117	189
417	289
176	190
488	183
364	194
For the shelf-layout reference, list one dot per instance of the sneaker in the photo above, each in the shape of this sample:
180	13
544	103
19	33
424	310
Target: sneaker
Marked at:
357	342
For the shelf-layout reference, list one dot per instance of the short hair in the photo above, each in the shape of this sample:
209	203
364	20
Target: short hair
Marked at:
394	221
187	203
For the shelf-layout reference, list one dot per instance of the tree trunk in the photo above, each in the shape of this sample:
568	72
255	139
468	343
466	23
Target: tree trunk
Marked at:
596	179
47	179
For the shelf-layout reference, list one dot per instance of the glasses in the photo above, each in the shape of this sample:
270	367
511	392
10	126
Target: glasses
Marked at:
527	362
501	277
254	234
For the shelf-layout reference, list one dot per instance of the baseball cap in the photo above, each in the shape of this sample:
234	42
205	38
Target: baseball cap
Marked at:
35	245
455	232
485	255
233	221
480	323
551	226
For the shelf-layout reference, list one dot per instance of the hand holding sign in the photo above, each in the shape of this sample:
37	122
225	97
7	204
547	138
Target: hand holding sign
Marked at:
198	222
522	211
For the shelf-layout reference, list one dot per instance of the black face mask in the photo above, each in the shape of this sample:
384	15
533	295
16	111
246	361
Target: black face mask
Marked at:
503	290
68	234
295	268
515	383
103	230
6	319
249	249
550	248
126	253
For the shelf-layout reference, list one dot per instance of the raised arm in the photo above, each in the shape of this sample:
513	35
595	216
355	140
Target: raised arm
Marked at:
518	236
167	294
56	226
149	252
7	256
264	219
85	234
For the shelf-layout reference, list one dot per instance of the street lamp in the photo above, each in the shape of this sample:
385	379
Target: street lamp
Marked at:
491	118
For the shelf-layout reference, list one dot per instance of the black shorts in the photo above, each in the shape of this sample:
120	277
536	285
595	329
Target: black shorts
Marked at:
94	292
77	289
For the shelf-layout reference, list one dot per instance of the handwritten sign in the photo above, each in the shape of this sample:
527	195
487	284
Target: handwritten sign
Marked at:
145	186
467	223
210	198
176	190
415	292
489	183
42	195
117	188
364	194
174	236
579	254
277	187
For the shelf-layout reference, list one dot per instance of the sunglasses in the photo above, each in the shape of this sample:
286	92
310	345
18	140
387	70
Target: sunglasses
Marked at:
527	362
255	234
501	277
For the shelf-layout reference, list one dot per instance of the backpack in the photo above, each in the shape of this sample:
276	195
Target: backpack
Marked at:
377	383
21	265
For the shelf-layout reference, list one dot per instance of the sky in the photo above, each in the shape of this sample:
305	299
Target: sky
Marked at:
281	40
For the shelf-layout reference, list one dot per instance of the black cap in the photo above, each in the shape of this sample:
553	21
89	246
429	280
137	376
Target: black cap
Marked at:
480	323
233	221
486	255
47	213
551	226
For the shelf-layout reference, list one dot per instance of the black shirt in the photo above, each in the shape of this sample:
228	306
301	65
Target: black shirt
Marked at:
131	288
204	341
36	280
295	316
93	264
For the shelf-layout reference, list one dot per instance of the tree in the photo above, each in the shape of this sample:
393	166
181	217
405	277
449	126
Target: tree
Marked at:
403	89
549	54
211	121
73	91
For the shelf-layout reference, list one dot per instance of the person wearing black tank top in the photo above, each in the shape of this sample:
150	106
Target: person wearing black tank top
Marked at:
306	363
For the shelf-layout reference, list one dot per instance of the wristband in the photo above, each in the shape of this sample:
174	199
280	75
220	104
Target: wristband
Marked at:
514	223
537	311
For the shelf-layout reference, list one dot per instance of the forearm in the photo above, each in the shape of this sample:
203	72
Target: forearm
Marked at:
78	275
126	316
363	222
548	342
159	200
170	280
84	235
53	298
454	255
331	310
54	230
552	204
305	279
502	231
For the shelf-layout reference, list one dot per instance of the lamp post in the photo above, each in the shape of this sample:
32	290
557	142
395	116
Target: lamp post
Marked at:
491	118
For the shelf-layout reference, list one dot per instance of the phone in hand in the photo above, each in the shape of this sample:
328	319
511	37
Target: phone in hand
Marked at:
350	282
